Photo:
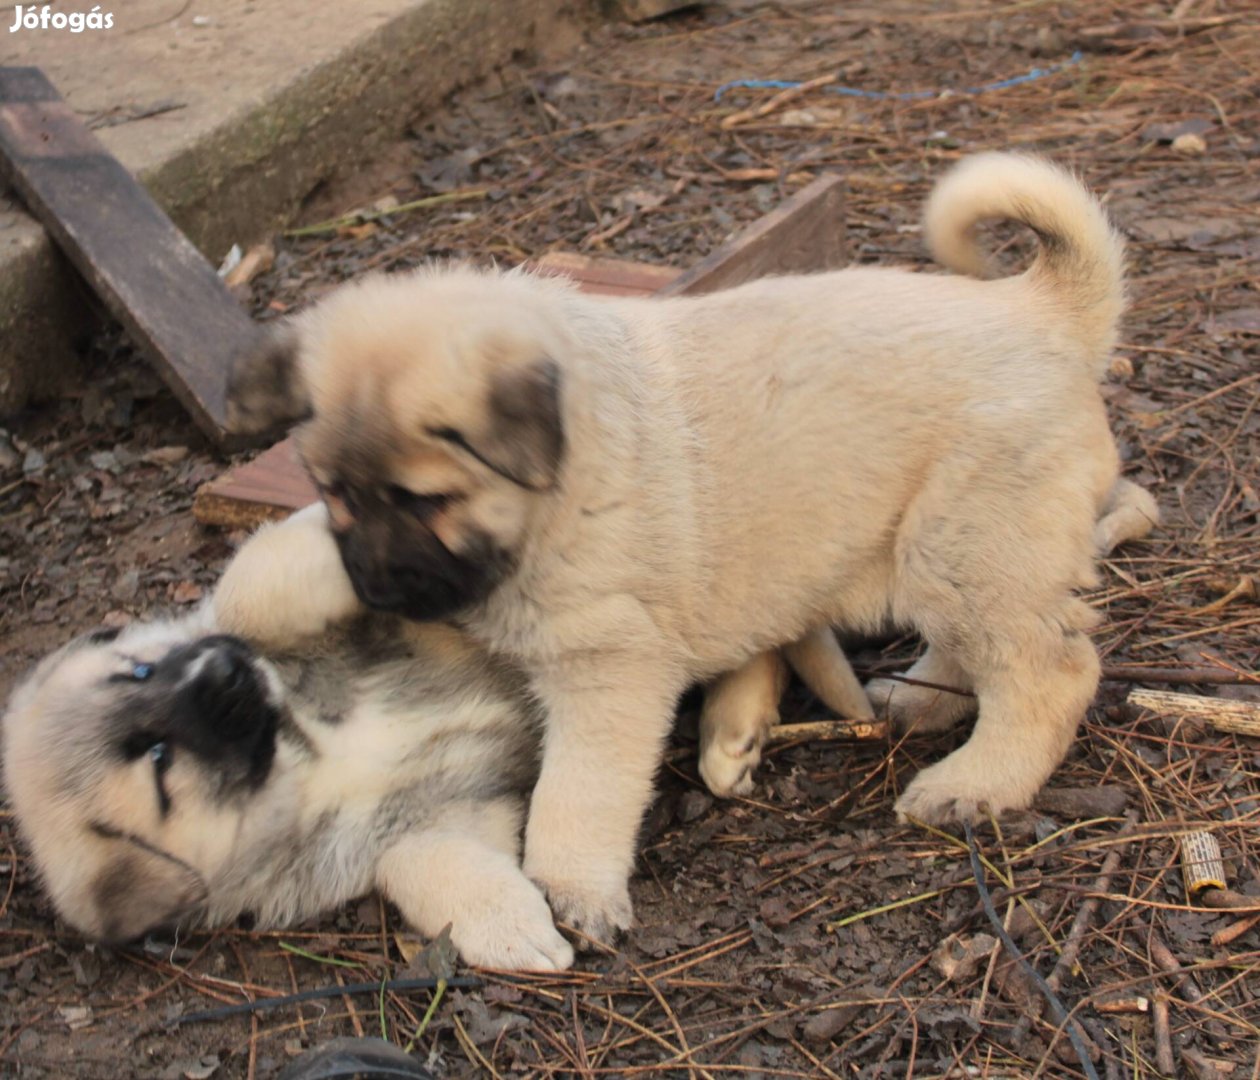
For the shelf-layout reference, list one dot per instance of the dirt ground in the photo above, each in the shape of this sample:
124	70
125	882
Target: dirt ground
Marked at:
801	932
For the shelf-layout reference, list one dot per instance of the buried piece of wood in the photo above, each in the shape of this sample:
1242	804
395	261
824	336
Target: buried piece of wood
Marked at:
643	10
1236	717
147	272
805	234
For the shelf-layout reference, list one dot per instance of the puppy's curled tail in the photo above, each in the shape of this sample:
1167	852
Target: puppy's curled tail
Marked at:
1081	265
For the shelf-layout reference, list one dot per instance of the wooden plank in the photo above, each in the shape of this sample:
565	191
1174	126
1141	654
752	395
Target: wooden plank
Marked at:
606	277
804	235
269	488
150	276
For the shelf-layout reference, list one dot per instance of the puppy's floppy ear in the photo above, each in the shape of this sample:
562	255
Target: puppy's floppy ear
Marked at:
524	437
265	386
141	890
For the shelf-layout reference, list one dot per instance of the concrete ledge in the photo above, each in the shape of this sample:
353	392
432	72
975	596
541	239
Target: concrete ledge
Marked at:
274	97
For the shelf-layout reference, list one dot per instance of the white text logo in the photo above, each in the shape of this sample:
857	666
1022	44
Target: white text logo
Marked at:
28	18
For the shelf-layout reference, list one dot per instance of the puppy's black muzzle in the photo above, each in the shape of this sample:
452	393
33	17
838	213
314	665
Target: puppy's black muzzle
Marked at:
224	695
216	706
400	568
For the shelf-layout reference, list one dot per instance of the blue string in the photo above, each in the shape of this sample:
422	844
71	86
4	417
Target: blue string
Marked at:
911	95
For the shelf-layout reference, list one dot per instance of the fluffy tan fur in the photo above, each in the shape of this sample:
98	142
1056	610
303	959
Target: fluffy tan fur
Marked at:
737	470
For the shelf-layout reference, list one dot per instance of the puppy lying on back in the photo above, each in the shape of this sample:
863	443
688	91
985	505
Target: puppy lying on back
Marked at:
172	773
628	495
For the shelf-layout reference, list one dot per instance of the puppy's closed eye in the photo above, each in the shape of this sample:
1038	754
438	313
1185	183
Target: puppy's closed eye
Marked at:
420	505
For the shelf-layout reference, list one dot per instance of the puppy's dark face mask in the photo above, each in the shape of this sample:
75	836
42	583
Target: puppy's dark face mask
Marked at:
206	699
396	560
429	519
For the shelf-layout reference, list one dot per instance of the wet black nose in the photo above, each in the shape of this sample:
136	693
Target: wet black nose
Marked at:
224	691
226	663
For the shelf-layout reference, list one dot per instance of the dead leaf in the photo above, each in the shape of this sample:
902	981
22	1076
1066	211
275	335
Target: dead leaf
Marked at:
186	592
408	947
436	960
957	958
829	1022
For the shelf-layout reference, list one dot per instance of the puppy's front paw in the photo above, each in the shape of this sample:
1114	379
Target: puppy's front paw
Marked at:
964	787
598	907
597	916
515	933
727	767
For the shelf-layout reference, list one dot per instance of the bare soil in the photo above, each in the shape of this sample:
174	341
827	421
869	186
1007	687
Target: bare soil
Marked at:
801	932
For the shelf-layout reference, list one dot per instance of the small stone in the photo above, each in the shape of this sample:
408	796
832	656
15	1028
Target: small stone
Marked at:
33	462
76	1016
798	118
165	455
127	585
1189	144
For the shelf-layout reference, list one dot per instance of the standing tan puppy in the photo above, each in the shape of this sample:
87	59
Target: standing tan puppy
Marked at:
626	495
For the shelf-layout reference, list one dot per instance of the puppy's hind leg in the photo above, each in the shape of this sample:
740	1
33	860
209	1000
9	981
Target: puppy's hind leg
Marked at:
1034	679
1129	513
925	708
465	871
822	666
988	581
739	708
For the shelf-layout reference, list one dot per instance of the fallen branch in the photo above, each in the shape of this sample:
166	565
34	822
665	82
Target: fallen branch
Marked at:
1080	927
1061	1016
1183	983
780	99
1203	676
1164	1059
362	217
828	731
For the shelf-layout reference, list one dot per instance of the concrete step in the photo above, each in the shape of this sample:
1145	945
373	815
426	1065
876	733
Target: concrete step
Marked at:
251	103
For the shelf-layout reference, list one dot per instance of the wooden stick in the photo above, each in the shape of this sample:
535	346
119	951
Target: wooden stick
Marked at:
1238	717
828	731
1164	1060
779	99
1135	673
1234	930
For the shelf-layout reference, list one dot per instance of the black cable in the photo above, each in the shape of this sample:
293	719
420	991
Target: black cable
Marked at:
245	1007
1056	1006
